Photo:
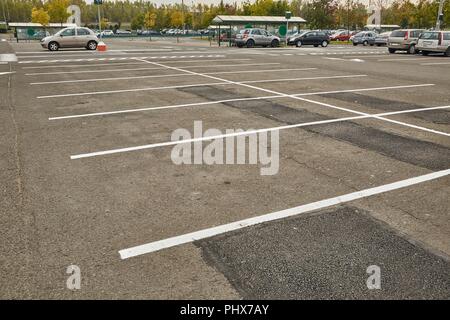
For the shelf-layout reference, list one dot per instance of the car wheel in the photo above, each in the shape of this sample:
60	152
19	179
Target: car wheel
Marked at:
250	43
412	49
425	53
365	43
299	43
447	53
324	43
391	50
274	43
355	44
53	46
92	45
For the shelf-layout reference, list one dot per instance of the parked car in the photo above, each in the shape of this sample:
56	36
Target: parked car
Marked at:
365	38
107	33
382	39
256	37
314	38
71	38
434	41
123	32
341	36
149	33
404	40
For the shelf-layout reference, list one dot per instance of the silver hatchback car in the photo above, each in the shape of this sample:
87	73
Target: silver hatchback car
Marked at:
256	37
71	37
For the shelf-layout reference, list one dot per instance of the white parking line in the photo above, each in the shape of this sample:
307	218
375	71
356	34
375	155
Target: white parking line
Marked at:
116	58
407	59
249	132
225	228
85	65
225	82
230	100
434	63
303	99
164	76
152	68
126	63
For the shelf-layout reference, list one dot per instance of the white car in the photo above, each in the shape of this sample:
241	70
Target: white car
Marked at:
107	33
125	32
434	41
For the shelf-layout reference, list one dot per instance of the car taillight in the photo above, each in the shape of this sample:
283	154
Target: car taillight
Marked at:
406	36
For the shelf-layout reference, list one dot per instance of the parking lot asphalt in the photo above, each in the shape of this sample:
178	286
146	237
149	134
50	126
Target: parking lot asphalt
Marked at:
85	180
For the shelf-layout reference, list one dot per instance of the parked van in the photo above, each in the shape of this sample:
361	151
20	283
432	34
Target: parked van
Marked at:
434	41
404	40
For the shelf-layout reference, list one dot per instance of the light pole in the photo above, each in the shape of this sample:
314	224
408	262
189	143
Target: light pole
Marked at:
440	15
348	21
98	3
182	16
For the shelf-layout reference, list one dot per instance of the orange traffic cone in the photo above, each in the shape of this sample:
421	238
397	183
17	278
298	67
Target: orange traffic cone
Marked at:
101	46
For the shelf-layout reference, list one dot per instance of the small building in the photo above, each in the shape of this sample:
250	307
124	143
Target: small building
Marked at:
36	31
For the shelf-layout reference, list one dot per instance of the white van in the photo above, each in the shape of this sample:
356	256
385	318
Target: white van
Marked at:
434	41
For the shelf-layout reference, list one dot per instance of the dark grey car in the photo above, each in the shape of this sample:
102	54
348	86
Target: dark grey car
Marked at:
365	38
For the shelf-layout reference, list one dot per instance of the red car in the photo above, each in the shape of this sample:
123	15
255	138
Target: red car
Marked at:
341	36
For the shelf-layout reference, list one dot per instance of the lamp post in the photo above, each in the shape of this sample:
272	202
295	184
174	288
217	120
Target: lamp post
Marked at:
440	15
98	3
182	16
288	15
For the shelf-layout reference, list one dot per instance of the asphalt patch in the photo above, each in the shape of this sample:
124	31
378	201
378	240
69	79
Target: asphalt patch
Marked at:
325	255
417	152
435	116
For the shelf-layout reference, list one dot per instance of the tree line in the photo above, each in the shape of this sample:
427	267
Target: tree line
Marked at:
319	14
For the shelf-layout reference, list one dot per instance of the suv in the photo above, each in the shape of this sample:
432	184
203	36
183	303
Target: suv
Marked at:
71	38
434	41
315	38
365	38
256	37
405	39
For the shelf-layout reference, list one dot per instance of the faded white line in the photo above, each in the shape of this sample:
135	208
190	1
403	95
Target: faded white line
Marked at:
225	82
407	59
126	63
164	76
231	100
225	228
153	68
85	65
246	133
434	63
4	73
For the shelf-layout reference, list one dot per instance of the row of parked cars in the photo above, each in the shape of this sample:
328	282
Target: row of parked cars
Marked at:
259	37
410	40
